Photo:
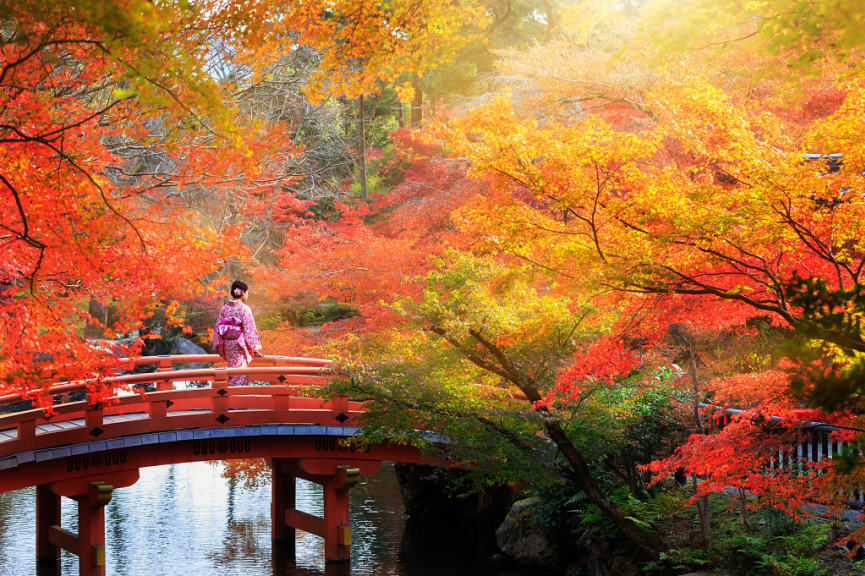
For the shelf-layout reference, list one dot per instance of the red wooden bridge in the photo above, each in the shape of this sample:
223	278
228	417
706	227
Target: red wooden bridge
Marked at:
86	449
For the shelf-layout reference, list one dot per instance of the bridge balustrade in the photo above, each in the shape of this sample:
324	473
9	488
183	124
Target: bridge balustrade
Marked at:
86	449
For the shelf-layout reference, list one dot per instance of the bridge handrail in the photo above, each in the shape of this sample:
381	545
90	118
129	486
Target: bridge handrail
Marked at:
290	395
122	404
277	360
803	415
282	365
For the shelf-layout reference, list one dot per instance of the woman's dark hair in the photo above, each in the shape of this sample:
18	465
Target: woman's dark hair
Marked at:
238	288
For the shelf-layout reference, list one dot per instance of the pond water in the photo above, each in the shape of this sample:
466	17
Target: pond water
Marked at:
187	520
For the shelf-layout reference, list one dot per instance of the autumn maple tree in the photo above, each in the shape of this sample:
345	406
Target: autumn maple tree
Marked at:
698	200
652	215
122	122
674	205
75	86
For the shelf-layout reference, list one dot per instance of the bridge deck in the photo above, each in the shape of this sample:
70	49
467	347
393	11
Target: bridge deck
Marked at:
37	444
118	408
86	449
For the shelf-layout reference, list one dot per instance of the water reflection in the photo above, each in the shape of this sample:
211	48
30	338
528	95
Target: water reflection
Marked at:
186	520
285	565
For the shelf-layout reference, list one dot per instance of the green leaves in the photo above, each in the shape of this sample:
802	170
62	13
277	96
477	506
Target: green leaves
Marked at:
827	350
432	390
803	31
502	301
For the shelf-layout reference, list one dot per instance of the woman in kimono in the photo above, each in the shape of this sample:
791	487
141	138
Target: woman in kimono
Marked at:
235	338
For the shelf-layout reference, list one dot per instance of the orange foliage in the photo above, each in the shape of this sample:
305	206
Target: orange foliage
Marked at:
374	254
69	234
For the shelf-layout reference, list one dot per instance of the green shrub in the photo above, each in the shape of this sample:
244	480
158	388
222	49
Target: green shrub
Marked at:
679	560
326	312
559	514
790	554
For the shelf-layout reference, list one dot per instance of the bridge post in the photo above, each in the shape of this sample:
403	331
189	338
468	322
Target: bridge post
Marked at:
336	480
47	515
91	494
282	488
220	398
337	529
164	365
91	529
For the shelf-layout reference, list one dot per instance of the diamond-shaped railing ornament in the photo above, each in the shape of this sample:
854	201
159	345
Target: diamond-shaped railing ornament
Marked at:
222	418
169	403
222	392
342	417
282	378
97	432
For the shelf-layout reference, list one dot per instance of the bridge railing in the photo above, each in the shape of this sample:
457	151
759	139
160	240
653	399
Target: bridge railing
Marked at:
289	398
168	364
165	362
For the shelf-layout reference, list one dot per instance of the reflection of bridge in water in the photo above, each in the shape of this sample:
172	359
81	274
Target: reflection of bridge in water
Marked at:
86	449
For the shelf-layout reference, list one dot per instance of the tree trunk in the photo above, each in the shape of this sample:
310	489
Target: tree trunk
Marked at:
649	542
703	502
345	115
646	541
746	519
361	148
417	104
552	17
703	515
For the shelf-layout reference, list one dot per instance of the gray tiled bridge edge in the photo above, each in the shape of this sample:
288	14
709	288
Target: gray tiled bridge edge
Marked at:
252	431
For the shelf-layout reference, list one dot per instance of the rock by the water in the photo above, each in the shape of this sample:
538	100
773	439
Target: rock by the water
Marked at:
522	540
182	345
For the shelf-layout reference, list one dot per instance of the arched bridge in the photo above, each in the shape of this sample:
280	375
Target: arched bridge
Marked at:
86	449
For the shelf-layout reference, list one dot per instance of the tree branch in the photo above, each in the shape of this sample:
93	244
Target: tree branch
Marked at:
25	235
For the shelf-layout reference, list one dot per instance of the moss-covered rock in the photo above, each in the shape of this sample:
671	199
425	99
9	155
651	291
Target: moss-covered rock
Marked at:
519	537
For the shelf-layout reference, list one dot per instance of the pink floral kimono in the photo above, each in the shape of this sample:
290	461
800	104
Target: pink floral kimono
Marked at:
237	352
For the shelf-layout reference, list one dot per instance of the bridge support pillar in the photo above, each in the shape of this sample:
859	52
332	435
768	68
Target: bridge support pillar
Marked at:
282	487
337	529
47	515
91	529
91	494
336	479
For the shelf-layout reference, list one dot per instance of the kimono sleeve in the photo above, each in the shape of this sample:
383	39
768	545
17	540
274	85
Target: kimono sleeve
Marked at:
250	334
217	339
